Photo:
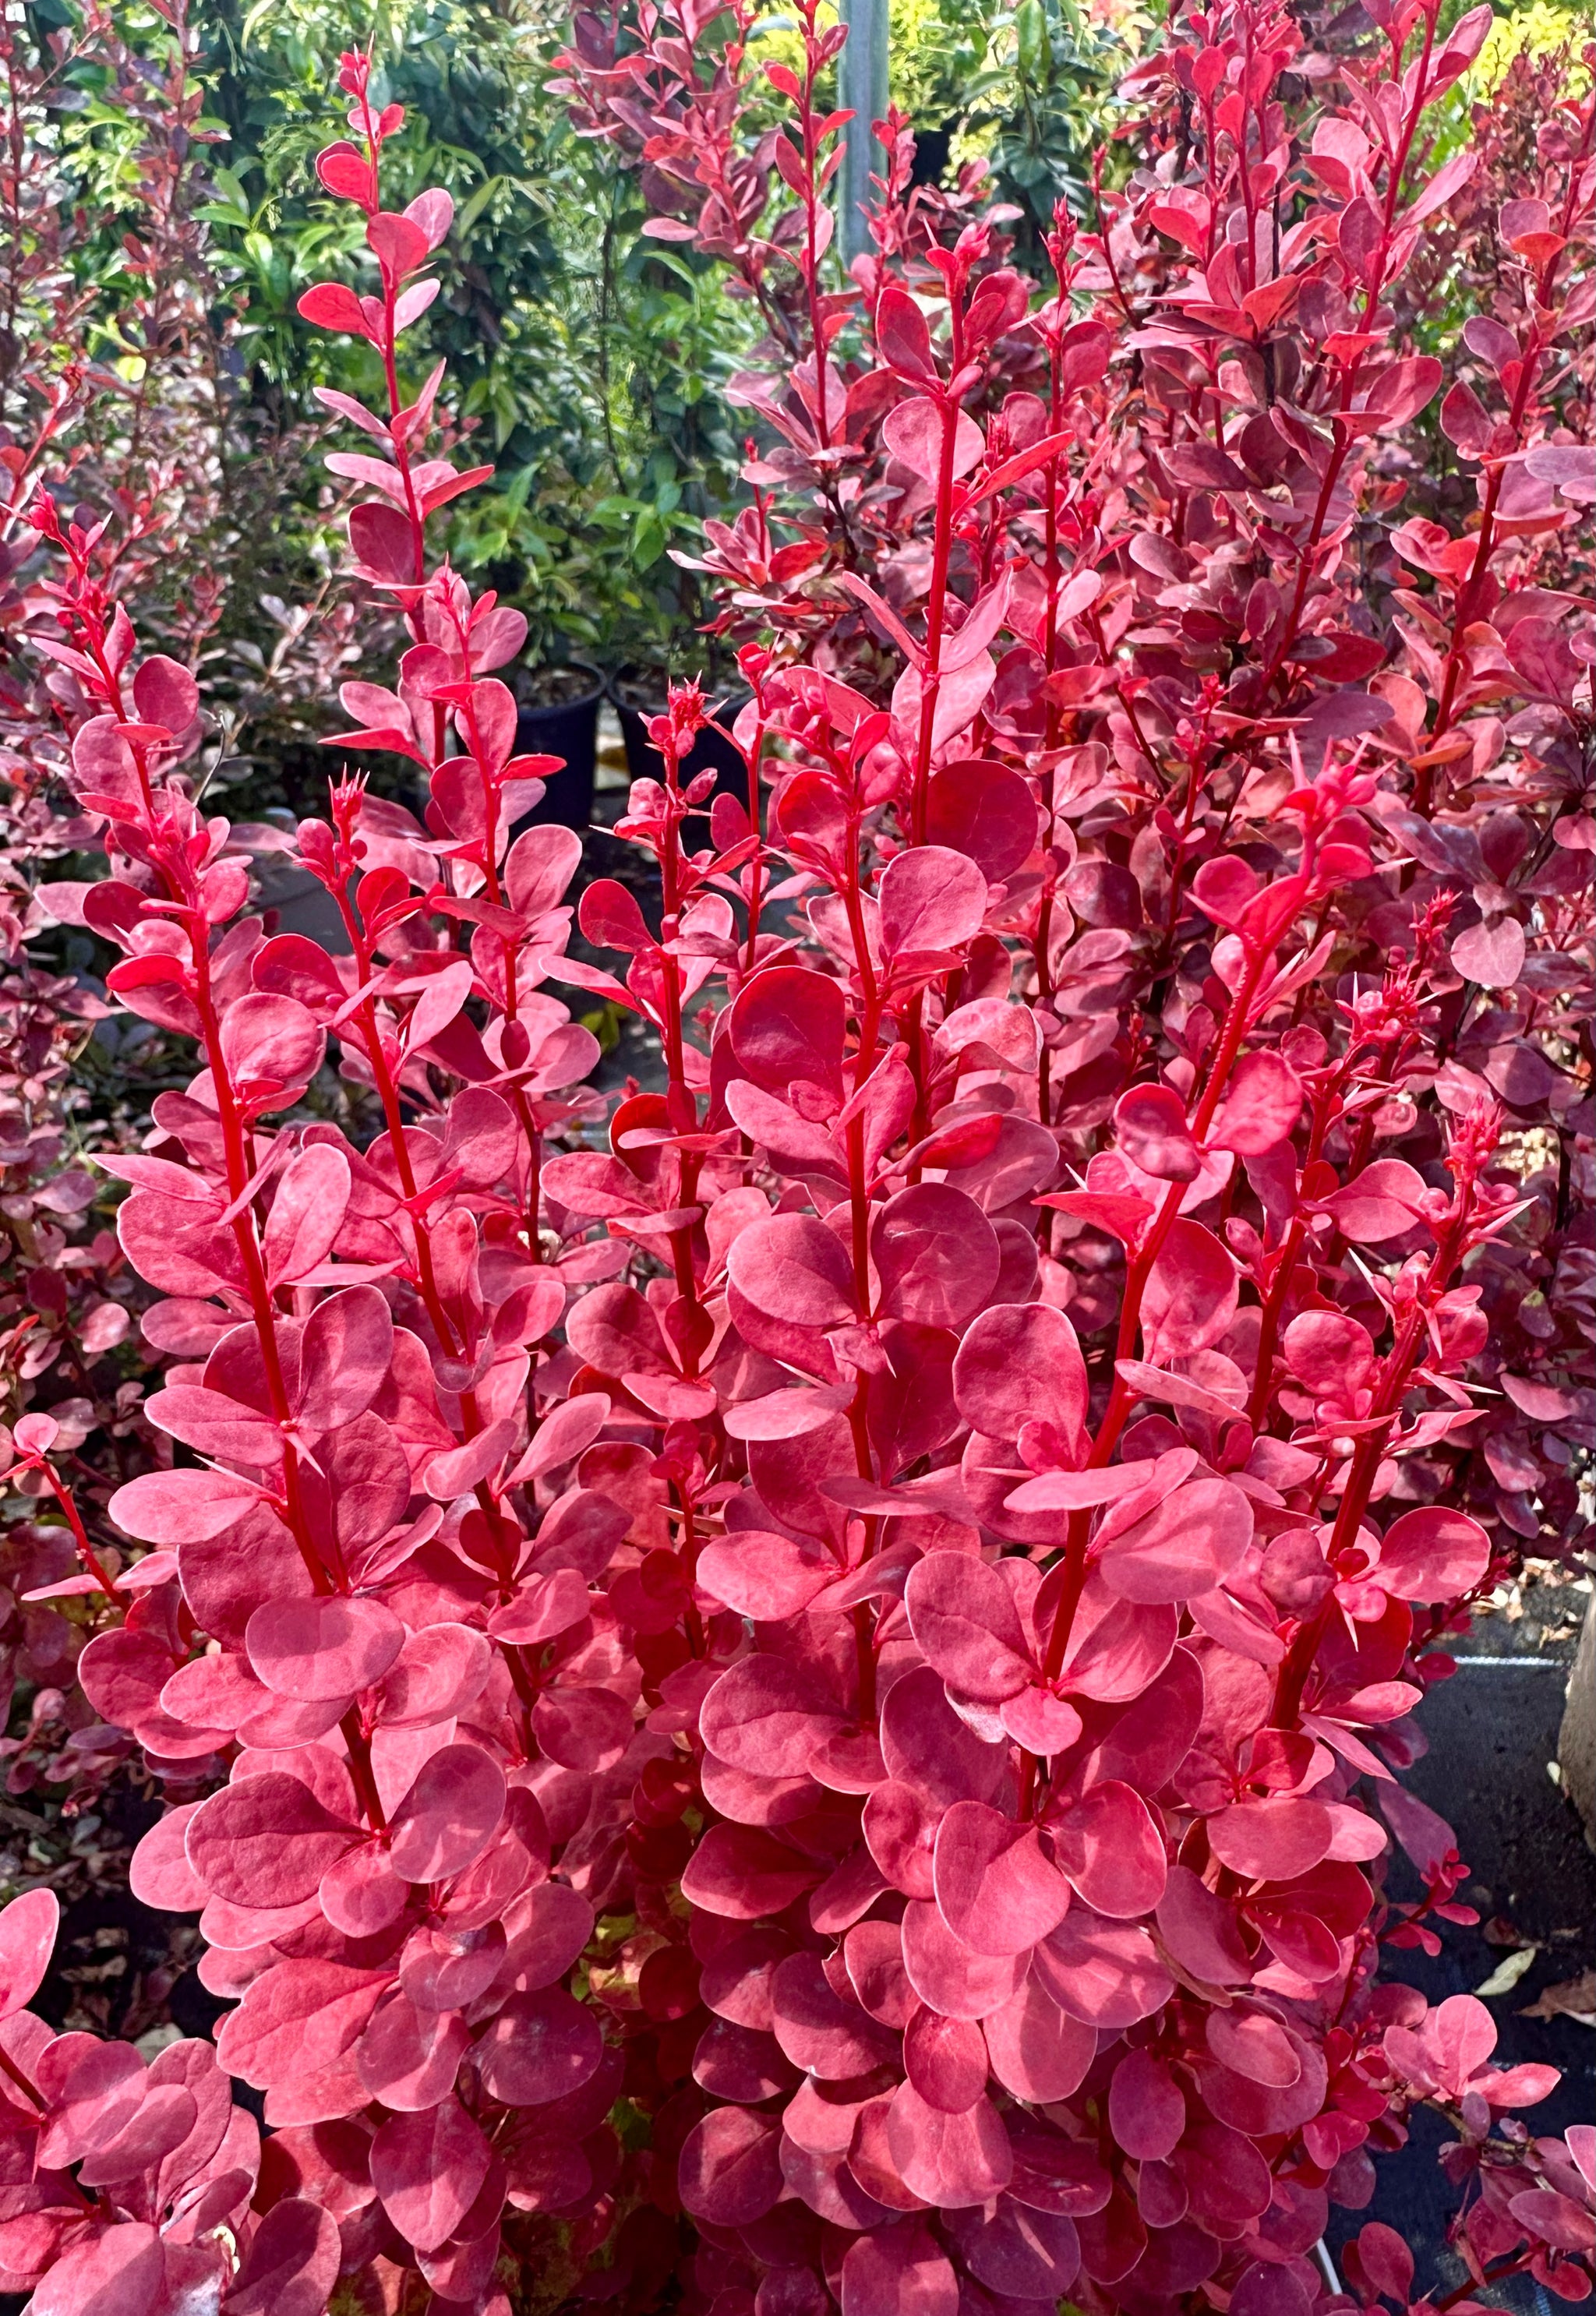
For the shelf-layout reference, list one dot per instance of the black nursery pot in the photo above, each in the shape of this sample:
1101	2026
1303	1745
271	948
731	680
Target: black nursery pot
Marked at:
567	728
709	752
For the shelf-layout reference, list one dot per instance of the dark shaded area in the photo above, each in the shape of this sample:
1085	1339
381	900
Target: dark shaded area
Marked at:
933	149
567	728
1492	1729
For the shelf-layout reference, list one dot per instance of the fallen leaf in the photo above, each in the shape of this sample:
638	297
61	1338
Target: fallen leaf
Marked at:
1508	1972
1498	1931
1575	1998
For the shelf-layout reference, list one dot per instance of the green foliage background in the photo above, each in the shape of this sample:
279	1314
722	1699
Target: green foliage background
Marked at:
589	362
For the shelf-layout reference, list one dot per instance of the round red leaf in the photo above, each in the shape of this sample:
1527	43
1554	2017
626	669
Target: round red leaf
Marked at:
360	1894
291	2264
428	2169
448	1816
445	1970
900	2271
160	1874
1024	2254
828	2037
1020	1364
437	1674
1146	2108
873	1958
945	2059
949	2160
164	2123
964	1620
1271	1840
1186	1545
548	1930
27	1940
996	1890
119	2272
743	1872
766	1715
736	1979
539	2047
729	2170
936	1255
585	1729
1038	2051
1254	2045
948	1976
265	1841
323	1647
1191	1295
1262	1102
925	1744
1150	1128
1111	1847
793	1269
900	1829
1433	1554
409	2058
1105	1974
93	2090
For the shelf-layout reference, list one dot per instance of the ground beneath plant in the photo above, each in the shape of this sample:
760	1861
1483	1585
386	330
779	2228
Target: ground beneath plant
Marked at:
1493	1731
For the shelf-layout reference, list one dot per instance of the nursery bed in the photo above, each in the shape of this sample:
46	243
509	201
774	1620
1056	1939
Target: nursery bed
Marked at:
1493	1731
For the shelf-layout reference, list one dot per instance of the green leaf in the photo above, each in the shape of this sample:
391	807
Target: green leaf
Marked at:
466	218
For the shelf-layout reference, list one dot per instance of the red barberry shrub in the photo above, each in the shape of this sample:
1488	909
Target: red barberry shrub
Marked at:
803	1709
109	383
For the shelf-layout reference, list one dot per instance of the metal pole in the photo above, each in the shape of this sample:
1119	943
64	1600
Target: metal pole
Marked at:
863	91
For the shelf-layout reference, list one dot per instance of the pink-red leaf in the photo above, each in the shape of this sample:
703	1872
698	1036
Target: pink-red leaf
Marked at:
1263	1101
729	2170
965	1622
323	1647
765	1715
27	1940
449	1814
1112	1848
1184	1545
932	900
1108	1974
793	1269
995	1887
428	2169
541	2046
951	2160
265	1841
1433	1554
1191	1295
1020	1364
1150	1128
899	2271
936	1256
291	2264
1038	2051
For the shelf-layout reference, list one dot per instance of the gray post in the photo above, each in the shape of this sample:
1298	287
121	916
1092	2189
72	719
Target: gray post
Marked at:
862	89
1576	1747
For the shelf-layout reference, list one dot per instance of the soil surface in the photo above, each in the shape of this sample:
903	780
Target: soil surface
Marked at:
1492	1731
